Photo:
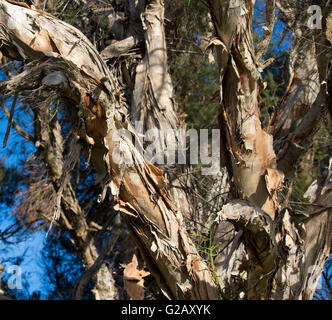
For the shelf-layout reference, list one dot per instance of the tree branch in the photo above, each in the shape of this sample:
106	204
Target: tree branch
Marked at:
81	76
87	275
263	45
259	239
18	129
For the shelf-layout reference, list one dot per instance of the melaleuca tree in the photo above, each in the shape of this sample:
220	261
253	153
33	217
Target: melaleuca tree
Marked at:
80	90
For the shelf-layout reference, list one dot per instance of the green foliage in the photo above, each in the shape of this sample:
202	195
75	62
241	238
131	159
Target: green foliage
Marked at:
195	79
208	248
269	97
196	85
315	162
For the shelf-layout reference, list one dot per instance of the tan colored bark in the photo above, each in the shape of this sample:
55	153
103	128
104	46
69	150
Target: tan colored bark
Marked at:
252	161
260	244
257	171
153	100
139	188
304	105
272	249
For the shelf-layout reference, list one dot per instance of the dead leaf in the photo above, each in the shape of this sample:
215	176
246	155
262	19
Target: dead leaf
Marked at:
133	279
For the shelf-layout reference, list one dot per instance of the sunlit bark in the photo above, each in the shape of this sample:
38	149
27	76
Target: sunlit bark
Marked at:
267	252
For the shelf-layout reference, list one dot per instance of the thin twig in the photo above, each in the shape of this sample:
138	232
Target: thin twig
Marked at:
18	129
10	120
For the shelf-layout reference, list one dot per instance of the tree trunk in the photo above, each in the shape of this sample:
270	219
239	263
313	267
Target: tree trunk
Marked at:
278	262
266	250
139	187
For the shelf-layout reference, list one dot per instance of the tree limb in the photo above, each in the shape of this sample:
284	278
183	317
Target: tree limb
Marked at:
263	45
259	239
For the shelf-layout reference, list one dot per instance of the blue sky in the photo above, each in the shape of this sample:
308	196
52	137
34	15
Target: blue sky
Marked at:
32	243
29	247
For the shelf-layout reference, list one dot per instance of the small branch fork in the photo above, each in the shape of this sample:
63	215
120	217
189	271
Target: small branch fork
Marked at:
10	120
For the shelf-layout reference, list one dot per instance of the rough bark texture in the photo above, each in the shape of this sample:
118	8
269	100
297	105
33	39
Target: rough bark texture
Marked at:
77	72
250	154
266	251
151	99
304	103
259	166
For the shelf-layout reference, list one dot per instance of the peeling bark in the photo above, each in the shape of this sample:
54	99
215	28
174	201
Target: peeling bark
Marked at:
151	98
249	148
153	102
264	43
267	252
258	159
258	236
139	188
304	104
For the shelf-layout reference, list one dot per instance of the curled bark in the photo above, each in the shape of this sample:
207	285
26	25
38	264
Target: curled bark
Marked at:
304	104
139	187
259	239
258	169
251	158
270	251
